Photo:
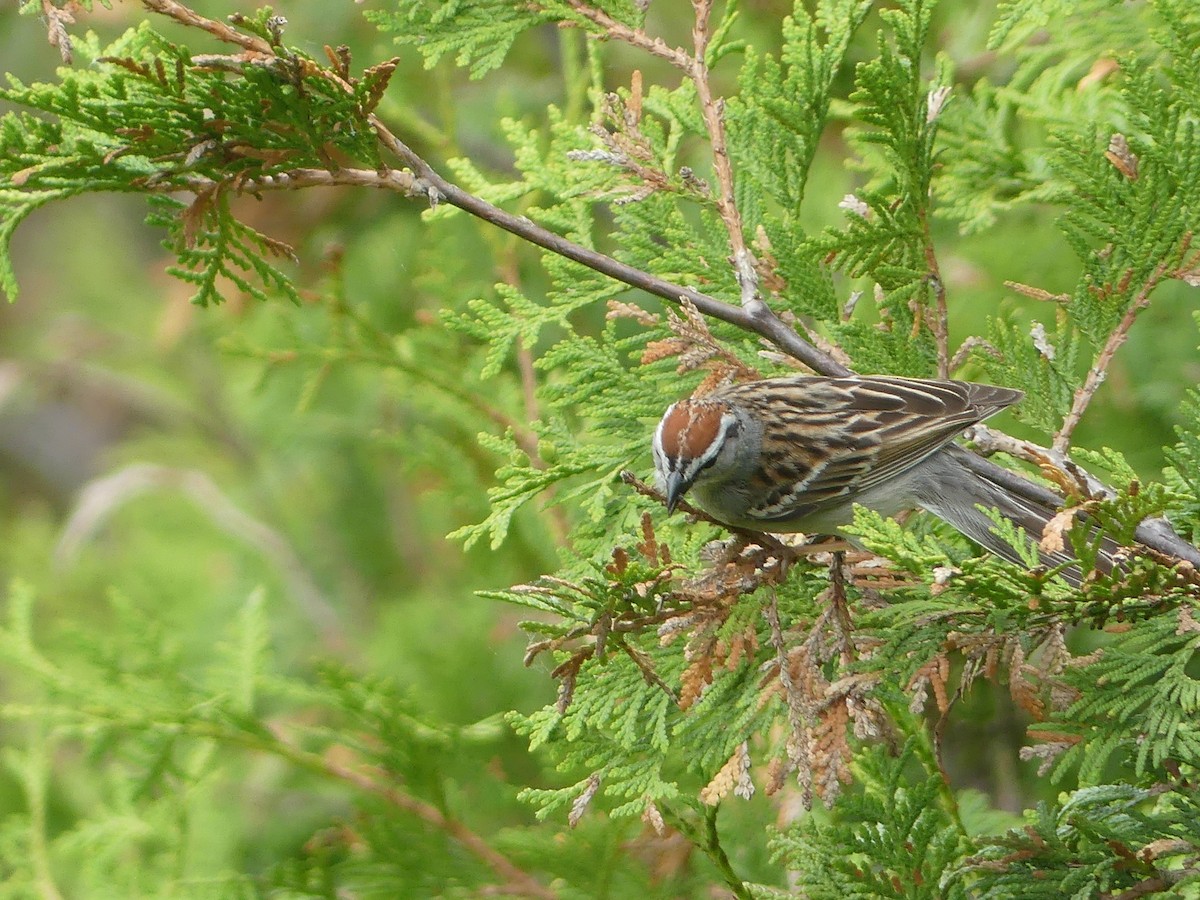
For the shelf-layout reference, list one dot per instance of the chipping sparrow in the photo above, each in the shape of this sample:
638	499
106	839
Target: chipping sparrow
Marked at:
796	454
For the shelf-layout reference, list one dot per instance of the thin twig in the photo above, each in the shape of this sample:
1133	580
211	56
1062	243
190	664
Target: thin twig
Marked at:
251	43
761	538
1099	371
527	440
713	110
635	37
988	441
940	326
518	881
799	714
841	612
526	437
711	844
941	320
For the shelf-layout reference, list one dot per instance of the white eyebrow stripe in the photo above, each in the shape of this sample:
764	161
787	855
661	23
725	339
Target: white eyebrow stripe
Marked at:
656	444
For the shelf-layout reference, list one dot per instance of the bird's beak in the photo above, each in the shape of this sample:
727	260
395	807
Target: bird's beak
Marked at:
676	487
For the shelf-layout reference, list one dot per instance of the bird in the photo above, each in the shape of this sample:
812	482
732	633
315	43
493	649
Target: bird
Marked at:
796	453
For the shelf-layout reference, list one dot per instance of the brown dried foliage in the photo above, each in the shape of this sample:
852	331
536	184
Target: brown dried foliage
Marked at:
584	800
696	348
733	777
934	674
697	607
816	747
713	596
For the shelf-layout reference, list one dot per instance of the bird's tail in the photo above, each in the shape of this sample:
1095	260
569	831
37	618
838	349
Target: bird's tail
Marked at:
955	494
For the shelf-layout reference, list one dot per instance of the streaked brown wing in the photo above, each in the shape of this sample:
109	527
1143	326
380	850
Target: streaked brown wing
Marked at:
827	439
924	417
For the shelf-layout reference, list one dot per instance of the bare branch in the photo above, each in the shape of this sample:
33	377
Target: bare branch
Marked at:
713	110
374	782
757	320
635	37
1099	370
940	326
252	44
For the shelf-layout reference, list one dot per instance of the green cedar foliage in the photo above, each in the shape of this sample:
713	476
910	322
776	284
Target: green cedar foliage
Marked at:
138	114
702	691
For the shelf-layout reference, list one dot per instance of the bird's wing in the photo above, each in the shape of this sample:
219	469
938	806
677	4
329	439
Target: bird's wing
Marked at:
826	440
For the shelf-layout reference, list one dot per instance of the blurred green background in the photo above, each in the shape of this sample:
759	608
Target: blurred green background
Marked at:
288	457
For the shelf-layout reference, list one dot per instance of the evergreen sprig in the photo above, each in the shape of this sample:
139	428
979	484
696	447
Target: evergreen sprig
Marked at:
1183	473
689	673
1104	839
894	836
478	35
1128	192
160	730
148	116
1154	719
777	120
887	238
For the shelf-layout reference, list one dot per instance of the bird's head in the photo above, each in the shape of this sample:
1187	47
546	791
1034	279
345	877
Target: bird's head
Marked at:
695	436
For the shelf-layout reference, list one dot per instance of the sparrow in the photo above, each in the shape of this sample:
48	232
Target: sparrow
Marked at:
795	454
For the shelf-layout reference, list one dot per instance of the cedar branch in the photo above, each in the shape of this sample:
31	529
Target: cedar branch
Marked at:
184	15
695	67
755	318
1099	370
